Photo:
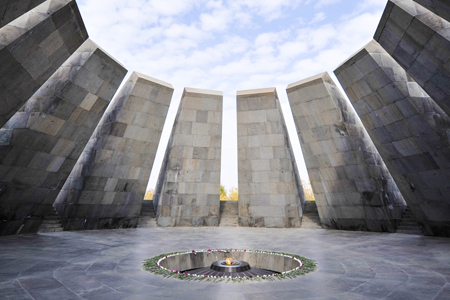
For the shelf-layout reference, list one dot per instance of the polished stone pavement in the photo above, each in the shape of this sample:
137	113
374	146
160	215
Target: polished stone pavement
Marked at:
107	265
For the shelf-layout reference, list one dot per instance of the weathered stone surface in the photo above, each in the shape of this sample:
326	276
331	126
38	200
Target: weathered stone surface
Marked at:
188	188
33	47
409	129
352	186
439	7
41	143
107	185
270	194
419	41
12	9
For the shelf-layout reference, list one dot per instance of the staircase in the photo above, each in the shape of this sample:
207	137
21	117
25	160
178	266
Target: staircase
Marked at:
408	225
311	218
51	223
148	215
229	216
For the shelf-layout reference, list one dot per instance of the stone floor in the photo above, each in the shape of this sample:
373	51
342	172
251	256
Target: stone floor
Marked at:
107	265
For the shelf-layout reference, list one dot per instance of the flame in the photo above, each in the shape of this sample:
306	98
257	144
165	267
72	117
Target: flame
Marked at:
228	260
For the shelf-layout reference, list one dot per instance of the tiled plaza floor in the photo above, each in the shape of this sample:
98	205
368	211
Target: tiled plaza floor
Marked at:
107	265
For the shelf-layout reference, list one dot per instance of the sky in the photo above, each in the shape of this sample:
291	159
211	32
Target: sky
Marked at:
228	46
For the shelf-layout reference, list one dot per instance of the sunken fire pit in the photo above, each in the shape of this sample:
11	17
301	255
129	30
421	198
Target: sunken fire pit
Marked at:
217	265
231	268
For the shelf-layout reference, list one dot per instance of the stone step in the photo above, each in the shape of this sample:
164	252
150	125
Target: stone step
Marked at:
407	227
229	208
229	221
148	214
46	226
51	223
46	230
310	219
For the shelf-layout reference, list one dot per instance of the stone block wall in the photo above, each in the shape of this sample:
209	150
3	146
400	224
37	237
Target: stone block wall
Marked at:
439	7
419	41
188	188
352	186
12	9
107	185
270	193
41	143
409	129
33	47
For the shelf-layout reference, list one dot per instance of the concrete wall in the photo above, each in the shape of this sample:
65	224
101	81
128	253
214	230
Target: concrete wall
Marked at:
12	9
409	130
419	41
33	47
270	193
188	188
107	185
41	143
352	186
439	7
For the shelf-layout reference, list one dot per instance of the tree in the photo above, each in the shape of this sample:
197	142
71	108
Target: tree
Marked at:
149	194
307	188
223	193
233	194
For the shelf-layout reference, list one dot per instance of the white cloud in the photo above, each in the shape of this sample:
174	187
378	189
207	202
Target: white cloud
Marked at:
229	45
323	3
319	17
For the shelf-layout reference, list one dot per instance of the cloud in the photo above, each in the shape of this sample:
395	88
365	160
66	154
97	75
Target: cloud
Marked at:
319	17
323	3
229	45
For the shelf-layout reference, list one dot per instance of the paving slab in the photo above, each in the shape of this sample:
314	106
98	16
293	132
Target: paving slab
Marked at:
106	264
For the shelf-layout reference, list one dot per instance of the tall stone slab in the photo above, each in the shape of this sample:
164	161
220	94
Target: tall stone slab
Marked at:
270	193
41	143
439	7
409	129
12	9
107	185
33	47
419	41
188	188
352	186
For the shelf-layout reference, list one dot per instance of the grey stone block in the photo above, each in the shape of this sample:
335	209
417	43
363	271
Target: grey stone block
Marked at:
43	152
12	9
266	168
188	188
345	175
33	47
409	136
116	163
418	40
439	7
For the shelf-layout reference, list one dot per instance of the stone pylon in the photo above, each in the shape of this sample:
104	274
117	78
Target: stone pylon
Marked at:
107	185
409	129
41	143
12	9
270	191
419	41
188	188
33	47
352	186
